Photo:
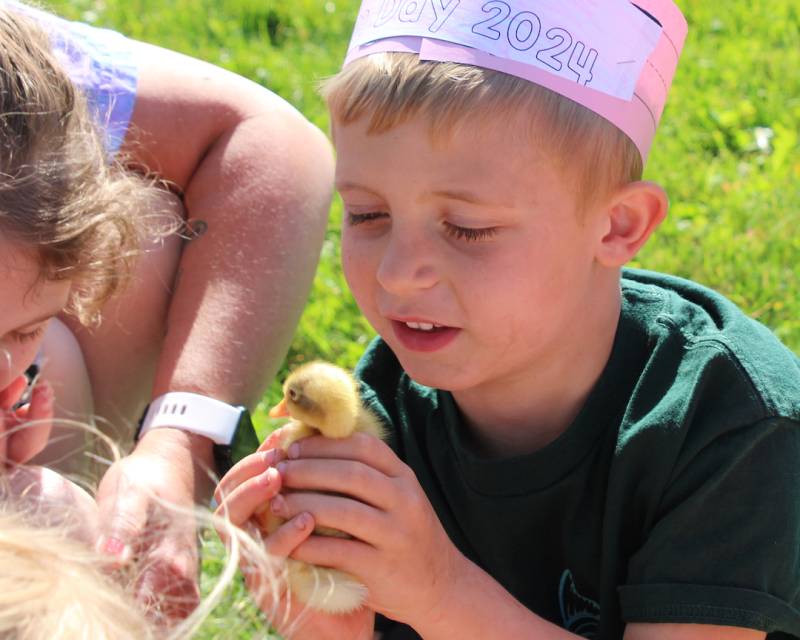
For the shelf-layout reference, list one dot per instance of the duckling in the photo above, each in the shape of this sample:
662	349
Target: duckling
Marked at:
323	398
320	397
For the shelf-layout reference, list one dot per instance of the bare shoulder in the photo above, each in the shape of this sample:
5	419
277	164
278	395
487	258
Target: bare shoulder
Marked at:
170	78
184	105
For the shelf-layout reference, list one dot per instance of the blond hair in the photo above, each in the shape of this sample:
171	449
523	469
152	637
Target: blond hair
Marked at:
51	589
59	194
391	88
54	586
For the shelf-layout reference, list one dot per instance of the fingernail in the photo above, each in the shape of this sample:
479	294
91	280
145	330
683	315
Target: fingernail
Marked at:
277	505
302	521
115	547
269	476
294	451
281	467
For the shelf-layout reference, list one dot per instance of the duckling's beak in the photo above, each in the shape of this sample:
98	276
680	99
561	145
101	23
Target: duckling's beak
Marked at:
280	410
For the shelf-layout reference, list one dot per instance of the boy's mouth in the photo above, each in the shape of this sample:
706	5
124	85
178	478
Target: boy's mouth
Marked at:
424	326
423	336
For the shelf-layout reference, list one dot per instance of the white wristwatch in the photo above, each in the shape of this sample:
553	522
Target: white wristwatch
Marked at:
229	427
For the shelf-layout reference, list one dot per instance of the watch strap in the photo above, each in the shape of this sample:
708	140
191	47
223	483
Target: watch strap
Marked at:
199	414
245	442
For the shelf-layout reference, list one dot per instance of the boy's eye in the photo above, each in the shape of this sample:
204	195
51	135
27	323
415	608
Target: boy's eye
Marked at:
354	219
469	234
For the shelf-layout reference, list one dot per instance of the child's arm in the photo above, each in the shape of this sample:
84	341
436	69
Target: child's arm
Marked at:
413	572
259	176
689	632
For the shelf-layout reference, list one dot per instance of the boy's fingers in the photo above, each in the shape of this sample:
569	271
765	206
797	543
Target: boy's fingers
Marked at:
360	447
246	468
354	479
339	553
249	497
349	516
289	535
273	440
264	573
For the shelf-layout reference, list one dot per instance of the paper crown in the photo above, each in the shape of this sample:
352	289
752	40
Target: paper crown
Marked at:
614	57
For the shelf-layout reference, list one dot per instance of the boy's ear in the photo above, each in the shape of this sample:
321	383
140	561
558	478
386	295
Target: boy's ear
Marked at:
632	215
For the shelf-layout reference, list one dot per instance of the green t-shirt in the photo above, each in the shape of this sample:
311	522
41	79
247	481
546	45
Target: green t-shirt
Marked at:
673	497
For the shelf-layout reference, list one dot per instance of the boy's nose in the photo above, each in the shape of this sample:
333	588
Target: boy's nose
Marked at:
408	264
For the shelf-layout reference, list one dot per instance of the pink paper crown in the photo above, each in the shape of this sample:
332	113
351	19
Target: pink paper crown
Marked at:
614	57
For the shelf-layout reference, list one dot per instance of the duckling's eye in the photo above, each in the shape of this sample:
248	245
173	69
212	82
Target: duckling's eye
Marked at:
293	395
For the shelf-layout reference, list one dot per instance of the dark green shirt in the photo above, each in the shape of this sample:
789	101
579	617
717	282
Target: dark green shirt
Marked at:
673	497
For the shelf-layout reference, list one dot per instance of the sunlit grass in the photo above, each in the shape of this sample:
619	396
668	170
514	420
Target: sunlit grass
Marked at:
727	153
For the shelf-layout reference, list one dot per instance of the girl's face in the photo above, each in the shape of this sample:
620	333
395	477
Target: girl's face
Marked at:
28	306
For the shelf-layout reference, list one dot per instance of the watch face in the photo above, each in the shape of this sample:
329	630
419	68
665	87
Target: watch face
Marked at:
245	441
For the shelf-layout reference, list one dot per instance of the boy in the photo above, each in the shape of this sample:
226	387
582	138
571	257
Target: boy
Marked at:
575	450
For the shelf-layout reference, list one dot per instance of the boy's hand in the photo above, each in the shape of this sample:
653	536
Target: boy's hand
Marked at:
24	432
247	490
400	549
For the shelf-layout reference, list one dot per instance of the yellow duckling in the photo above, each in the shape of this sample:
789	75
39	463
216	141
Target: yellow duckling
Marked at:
320	397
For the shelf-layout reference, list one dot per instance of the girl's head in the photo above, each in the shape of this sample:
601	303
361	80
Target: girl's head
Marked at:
68	223
50	586
51	589
54	586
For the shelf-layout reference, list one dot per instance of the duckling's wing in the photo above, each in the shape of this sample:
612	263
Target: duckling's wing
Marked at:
368	422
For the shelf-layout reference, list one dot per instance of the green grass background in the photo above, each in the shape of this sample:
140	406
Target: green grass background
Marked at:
727	153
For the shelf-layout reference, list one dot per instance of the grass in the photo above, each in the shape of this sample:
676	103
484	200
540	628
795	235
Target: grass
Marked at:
727	153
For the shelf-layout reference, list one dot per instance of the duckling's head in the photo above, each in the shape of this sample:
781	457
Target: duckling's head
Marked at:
322	396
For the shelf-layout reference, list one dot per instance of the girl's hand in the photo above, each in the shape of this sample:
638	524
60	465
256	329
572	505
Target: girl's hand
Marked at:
245	491
146	504
24	431
399	548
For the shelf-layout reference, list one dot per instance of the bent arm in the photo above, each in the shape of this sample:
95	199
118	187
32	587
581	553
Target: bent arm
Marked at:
260	176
